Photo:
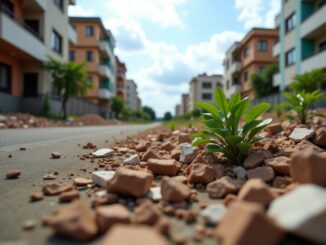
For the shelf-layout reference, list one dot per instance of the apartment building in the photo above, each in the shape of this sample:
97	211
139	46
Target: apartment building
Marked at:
232	68
302	39
121	81
202	88
132	95
95	48
139	104
184	103
178	111
30	31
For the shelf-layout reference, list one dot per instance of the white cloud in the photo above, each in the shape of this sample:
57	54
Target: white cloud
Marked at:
257	13
77	10
161	84
162	12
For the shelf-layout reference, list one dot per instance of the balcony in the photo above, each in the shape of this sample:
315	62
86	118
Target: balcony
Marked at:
104	71
41	3
314	25
104	93
72	34
21	36
105	48
232	90
276	49
235	66
276	79
314	62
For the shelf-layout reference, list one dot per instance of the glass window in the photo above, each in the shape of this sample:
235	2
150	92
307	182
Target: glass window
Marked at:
290	57
90	79
206	85
5	78
262	45
260	69
89	31
245	52
72	55
245	76
207	96
290	22
56	42
227	84
59	3
89	55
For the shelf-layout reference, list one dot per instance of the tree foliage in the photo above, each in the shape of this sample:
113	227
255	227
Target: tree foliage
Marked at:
150	112
309	81
68	79
262	83
167	116
117	106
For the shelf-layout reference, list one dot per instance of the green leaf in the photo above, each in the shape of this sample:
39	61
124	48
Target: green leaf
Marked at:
259	127
213	148
234	140
244	147
209	108
257	110
201	142
235	99
221	101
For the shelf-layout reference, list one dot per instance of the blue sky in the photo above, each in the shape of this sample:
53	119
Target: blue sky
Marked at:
166	42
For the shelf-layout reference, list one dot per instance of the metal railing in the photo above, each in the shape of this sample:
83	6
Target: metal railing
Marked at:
19	22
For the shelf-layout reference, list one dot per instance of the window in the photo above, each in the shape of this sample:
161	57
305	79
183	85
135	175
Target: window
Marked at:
262	45
322	46
245	52
89	31
72	55
245	76
89	55
290	22
90	79
207	96
290	57
5	78
56	42
260	69
227	84
206	85
59	3
218	84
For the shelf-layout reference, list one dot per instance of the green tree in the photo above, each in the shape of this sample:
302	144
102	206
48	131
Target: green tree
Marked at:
262	83
148	110
309	81
46	108
167	116
117	106
69	79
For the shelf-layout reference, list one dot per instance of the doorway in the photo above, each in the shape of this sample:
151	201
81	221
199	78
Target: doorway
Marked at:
30	85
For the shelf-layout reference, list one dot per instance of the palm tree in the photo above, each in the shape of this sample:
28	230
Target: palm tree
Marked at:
69	79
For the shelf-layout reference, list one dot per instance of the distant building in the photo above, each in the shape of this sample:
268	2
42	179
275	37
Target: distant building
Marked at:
31	31
302	39
95	47
184	103
251	55
202	88
132	95
139	104
178	110
121	81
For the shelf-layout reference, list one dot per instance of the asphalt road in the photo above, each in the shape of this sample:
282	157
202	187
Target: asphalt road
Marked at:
34	163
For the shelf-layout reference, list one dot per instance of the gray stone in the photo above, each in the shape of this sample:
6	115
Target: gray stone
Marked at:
302	212
2	125
155	193
101	178
240	172
188	152
299	134
104	152
2	118
213	214
132	160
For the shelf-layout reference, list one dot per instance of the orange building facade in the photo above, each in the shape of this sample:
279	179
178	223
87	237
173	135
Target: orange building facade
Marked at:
251	55
95	48
121	81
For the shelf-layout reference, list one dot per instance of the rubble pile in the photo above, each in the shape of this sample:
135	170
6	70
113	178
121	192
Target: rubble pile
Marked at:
25	120
141	186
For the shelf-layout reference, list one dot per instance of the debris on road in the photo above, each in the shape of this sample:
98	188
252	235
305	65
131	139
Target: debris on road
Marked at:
56	155
14	174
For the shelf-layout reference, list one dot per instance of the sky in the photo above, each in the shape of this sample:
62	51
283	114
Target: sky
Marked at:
165	43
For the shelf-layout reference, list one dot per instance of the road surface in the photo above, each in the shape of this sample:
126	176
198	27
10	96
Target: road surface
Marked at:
34	163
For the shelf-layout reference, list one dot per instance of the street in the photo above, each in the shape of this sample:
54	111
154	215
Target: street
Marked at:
34	162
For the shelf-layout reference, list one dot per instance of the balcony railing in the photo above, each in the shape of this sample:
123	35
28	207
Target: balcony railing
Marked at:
276	49
314	61
314	22
11	15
